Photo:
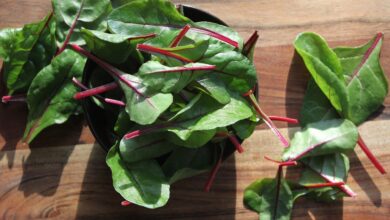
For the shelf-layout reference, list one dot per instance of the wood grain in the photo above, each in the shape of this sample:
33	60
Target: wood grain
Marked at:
62	175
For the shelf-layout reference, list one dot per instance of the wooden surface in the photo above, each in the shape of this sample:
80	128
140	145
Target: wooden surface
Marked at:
63	175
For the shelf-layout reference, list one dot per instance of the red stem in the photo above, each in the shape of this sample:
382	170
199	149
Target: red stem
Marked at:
180	36
14	98
265	118
320	185
250	43
114	102
284	119
110	69
96	90
282	163
125	203
216	36
211	178
151	49
143	36
233	139
145	130
371	156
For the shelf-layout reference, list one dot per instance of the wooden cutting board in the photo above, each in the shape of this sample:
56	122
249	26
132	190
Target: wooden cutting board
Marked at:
62	175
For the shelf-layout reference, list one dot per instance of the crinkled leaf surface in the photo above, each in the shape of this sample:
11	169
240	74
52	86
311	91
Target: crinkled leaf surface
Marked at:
50	96
323	137
142	183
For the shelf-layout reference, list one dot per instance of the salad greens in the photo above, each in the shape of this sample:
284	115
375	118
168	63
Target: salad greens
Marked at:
174	86
347	86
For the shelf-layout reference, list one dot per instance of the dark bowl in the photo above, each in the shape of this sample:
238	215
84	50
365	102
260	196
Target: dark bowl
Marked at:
100	121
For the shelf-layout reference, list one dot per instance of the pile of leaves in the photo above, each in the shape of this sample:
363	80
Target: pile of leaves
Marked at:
179	89
347	86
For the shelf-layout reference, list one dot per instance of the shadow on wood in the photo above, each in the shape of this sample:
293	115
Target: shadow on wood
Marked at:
99	200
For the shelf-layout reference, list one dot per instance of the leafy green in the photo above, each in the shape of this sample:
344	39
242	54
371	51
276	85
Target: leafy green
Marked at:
324	137
142	183
26	51
71	15
50	96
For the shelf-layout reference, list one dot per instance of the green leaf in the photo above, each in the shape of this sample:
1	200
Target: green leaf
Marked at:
71	15
119	3
186	162
26	51
187	107
123	123
143	108
366	83
145	147
145	17
195	140
333	167
50	96
316	106
160	78
325	68
207	115
142	183
320	138
245	128
264	197
214	87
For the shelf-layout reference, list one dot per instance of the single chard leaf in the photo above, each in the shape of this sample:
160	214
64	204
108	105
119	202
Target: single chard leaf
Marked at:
27	51
208	114
211	85
195	140
142	183
366	83
270	199
72	15
185	162
123	123
144	147
187	107
143	108
316	106
325	68
158	77
245	128
332	168
320	138
50	96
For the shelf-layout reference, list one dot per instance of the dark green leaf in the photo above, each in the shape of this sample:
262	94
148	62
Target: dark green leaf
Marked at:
245	128
142	183
123	123
50	96
195	140
214	87
320	138
74	14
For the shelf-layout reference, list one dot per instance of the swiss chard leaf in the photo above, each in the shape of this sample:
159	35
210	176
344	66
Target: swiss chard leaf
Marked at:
271	202
144	147
50	96
207	115
186	162
26	51
195	140
366	83
160	78
320	138
71	15
245	128
142	183
211	85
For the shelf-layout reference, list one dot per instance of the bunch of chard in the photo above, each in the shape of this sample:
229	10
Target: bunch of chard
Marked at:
347	86
180	90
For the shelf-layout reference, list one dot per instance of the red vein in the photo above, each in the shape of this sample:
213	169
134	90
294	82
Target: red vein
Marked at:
110	69
151	49
180	36
371	156
70	32
182	69
114	102
213	174
250	43
282	163
14	98
46	23
265	118
233	139
284	119
366	55
216	36
146	130
96	90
